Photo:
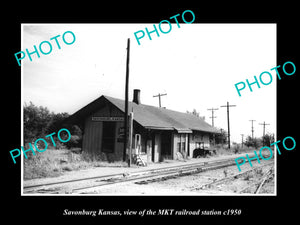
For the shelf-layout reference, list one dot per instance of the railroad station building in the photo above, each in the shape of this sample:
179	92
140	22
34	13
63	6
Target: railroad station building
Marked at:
158	133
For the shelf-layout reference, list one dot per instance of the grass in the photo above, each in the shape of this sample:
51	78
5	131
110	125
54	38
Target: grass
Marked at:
258	173
53	163
235	149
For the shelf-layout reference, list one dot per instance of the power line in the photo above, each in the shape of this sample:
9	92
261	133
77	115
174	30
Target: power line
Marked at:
159	95
228	121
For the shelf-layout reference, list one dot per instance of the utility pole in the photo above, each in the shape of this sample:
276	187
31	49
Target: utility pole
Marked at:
159	95
212	115
126	102
222	141
130	139
228	121
212	122
264	126
252	130
242	140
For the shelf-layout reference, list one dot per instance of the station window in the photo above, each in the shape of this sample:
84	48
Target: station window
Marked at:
199	144
178	146
182	146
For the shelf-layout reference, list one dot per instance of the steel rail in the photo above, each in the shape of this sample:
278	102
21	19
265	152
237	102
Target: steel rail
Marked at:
119	174
188	170
177	170
232	177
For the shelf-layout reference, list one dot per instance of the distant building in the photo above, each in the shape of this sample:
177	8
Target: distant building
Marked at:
158	133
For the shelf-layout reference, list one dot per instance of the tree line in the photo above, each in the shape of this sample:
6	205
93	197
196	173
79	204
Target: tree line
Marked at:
39	121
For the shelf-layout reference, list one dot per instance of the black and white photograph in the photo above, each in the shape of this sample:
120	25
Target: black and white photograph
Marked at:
149	113
198	106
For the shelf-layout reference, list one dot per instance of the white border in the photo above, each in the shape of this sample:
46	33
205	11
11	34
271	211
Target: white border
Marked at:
211	195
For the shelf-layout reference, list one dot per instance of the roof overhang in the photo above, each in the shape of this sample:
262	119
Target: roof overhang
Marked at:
183	130
212	131
158	128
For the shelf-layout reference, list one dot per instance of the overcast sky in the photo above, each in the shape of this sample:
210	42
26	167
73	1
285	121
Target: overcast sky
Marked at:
197	66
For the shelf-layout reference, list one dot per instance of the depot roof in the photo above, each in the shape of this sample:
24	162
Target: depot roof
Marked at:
149	116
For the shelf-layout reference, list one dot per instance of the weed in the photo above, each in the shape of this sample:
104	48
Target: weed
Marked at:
236	149
67	168
225	172
53	163
259	172
249	176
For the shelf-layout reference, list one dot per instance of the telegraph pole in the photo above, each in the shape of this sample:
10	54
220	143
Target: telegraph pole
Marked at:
252	130
212	122
228	121
159	95
126	102
130	139
242	139
264	126
212	115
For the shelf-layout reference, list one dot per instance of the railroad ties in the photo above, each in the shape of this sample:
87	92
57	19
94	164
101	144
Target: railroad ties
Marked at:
88	185
247	189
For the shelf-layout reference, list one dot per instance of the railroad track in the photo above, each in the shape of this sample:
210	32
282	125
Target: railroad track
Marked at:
153	175
259	184
268	175
157	175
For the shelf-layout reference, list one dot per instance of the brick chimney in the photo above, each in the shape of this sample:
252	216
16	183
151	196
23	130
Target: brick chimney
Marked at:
136	96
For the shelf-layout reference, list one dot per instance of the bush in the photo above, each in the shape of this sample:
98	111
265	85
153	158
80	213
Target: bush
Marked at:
40	122
53	163
74	142
236	149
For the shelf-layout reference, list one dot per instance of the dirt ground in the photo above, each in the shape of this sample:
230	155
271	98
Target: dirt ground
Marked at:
187	185
56	163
